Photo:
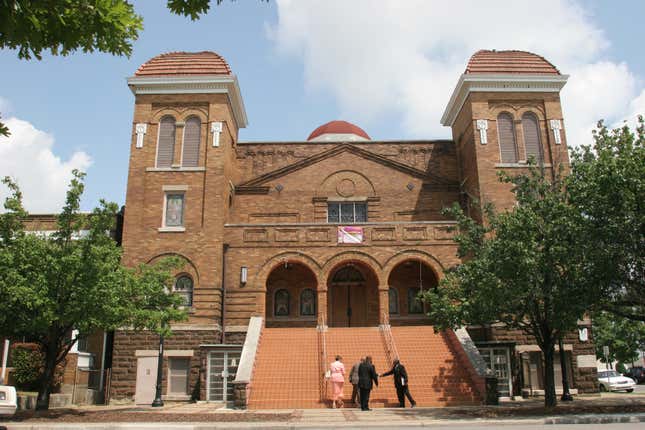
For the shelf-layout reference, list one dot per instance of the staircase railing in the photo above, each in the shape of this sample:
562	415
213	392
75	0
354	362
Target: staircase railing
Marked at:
388	339
322	340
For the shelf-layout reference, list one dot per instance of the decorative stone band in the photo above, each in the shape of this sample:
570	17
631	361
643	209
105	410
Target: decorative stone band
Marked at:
141	129
215	84
482	126
535	348
469	83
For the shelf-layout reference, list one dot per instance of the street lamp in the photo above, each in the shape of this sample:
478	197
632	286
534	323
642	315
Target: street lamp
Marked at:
157	402
566	395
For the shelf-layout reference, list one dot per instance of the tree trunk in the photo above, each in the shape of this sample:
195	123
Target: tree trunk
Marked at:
549	376
51	355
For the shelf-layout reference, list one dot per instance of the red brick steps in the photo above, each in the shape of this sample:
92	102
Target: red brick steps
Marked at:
287	369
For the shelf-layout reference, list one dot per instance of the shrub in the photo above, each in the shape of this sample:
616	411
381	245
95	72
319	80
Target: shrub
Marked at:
27	363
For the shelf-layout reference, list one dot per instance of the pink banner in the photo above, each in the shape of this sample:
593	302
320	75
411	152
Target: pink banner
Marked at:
349	234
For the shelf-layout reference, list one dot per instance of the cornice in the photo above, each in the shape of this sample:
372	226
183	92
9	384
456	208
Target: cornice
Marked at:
215	84
469	83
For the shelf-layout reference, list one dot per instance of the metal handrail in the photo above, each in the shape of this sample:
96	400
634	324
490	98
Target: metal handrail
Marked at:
323	360
391	350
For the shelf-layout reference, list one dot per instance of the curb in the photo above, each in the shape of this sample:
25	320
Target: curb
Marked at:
573	419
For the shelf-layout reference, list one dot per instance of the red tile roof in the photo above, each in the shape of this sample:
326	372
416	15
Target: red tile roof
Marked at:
185	63
521	62
338	127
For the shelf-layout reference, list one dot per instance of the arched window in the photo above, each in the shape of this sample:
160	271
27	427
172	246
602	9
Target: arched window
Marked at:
393	296
184	287
281	303
307	302
532	142
414	302
192	136
166	144
348	274
506	137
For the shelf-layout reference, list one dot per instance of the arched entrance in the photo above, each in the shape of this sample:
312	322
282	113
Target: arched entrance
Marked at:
352	296
407	279
291	298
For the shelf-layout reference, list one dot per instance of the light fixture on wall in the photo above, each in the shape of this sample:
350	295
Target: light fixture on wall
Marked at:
244	272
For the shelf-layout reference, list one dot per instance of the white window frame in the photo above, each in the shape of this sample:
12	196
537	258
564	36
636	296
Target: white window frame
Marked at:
354	203
173	190
169	387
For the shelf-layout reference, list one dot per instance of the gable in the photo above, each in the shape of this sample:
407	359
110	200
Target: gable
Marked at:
258	185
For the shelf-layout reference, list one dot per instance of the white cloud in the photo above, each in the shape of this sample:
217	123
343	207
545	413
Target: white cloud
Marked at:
27	156
404	58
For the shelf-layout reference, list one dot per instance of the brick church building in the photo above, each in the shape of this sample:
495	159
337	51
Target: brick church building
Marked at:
298	251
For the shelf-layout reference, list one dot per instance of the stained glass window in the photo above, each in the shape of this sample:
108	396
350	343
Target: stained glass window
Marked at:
393	300
174	210
308	302
281	303
414	302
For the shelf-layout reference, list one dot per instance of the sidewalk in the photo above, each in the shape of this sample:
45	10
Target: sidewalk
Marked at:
205	416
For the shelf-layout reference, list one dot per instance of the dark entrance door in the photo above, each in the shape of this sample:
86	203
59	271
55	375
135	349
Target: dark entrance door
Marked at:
348	305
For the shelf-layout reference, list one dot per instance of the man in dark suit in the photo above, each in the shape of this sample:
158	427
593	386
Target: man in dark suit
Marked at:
366	374
401	383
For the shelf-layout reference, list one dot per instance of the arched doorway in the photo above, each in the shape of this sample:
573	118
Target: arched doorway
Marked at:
291	299
352	296
407	279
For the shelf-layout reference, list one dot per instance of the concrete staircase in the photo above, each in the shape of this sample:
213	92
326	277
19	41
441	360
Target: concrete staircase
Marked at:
288	366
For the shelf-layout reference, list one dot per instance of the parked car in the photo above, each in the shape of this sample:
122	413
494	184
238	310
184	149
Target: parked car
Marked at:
610	380
637	374
8	400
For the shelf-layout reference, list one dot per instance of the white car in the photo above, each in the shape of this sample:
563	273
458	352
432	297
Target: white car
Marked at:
8	400
610	380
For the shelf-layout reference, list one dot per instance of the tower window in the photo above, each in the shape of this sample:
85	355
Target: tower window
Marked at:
532	141
174	210
506	137
192	136
166	144
346	212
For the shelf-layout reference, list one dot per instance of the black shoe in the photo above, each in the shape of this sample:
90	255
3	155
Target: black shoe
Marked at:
413	405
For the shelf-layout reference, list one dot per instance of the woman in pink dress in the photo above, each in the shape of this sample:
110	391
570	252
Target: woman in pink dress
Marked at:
337	378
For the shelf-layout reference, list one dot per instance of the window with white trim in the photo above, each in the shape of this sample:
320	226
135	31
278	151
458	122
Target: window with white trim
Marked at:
184	287
174	209
346	212
178	372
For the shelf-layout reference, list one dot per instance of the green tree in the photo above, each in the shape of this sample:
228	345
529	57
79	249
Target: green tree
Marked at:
73	279
65	26
623	336
607	185
523	267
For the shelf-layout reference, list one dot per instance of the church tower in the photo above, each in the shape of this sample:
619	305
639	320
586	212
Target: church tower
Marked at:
504	111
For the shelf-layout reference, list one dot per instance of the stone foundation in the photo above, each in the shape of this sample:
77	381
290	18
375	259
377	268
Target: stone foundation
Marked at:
124	364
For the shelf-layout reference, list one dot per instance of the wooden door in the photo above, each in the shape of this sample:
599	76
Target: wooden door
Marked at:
358	305
348	306
339	305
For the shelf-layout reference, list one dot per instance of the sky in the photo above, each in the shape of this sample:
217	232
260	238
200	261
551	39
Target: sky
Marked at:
388	66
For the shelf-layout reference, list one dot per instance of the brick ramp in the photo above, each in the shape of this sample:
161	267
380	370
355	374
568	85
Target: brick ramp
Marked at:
437	378
286	371
352	343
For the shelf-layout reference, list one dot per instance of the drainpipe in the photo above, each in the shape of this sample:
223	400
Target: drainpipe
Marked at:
102	361
223	296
